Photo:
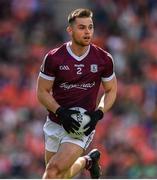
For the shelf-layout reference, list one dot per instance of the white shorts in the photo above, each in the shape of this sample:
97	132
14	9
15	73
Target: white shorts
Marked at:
56	135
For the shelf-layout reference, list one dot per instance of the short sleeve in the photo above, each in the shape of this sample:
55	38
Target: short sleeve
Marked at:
108	72
47	70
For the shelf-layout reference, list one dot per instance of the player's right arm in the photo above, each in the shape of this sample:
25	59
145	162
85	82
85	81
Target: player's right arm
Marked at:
45	82
44	96
44	88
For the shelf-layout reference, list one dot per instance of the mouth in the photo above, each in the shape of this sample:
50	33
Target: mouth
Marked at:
86	38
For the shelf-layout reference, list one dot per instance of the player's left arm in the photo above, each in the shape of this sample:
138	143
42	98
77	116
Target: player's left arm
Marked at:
105	104
108	99
109	83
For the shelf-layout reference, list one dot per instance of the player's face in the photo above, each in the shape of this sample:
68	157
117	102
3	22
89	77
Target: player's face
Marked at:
82	31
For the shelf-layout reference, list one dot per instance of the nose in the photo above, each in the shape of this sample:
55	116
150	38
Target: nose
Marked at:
87	30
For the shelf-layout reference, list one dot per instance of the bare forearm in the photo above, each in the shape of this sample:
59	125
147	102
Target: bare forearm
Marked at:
109	97
48	101
107	101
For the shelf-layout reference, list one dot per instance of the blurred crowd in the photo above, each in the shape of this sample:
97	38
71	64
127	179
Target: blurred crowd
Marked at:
127	136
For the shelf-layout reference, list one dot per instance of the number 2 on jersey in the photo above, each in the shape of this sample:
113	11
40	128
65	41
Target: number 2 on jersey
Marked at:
79	70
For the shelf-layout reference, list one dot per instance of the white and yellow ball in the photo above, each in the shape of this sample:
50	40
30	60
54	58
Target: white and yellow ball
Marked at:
83	119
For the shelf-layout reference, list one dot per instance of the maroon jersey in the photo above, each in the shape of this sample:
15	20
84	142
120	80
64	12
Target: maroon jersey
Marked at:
76	79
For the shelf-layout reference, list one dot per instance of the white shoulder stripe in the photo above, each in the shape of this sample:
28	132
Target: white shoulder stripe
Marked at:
108	78
50	78
43	63
109	55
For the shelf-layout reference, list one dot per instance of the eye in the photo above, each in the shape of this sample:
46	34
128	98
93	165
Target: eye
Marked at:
81	27
91	27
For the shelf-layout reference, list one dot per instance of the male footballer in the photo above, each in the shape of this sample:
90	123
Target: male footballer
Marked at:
70	76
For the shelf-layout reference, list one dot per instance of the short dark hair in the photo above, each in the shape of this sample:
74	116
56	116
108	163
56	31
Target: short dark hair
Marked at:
79	13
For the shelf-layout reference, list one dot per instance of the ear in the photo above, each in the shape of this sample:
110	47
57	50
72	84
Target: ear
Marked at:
69	30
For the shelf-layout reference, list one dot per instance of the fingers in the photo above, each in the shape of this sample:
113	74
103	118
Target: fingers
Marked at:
76	128
76	124
87	125
85	129
67	130
78	133
87	113
71	130
73	111
88	131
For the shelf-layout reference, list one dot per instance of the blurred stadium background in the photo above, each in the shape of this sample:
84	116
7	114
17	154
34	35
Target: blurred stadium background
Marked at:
127	136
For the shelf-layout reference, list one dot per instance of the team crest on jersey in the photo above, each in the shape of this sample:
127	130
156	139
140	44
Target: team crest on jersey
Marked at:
94	68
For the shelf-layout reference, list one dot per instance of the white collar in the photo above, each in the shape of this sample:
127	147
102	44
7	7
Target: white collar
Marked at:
78	58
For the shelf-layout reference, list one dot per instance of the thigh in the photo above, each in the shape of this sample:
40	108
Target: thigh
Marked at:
67	154
83	142
53	135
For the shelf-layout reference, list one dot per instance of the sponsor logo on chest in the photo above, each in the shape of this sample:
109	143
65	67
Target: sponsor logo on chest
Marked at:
84	86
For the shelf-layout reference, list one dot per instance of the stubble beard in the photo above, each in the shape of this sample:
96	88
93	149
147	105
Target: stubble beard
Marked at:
81	43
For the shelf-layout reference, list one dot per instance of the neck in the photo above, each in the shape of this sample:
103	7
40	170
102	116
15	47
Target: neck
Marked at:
77	49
